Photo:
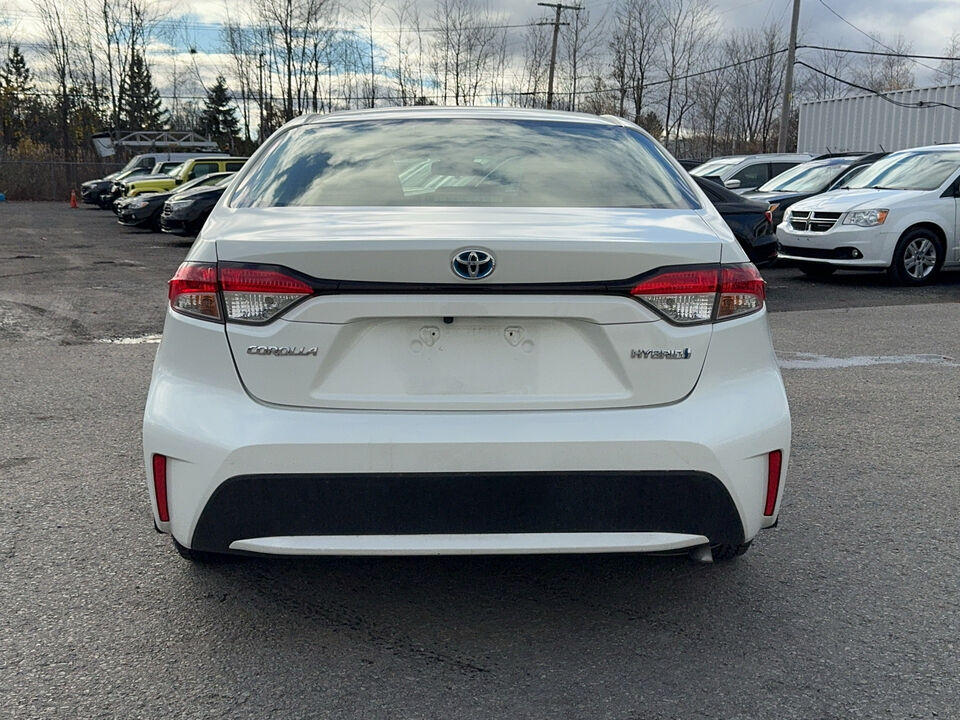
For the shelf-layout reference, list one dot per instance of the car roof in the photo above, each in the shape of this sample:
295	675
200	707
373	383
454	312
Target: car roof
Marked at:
761	156
484	113
836	160
929	148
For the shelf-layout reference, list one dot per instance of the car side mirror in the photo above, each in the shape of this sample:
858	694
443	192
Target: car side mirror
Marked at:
731	184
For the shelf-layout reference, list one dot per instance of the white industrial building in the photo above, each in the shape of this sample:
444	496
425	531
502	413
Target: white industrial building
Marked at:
870	123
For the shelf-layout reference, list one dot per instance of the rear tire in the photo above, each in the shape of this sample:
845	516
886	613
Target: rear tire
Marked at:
917	258
198	557
817	270
722	553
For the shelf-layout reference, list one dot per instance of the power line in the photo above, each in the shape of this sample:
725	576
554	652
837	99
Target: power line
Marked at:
868	35
884	54
883	96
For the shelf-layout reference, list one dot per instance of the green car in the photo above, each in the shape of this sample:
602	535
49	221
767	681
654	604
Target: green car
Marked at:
190	170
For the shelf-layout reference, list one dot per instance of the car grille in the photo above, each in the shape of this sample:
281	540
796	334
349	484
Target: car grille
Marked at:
813	221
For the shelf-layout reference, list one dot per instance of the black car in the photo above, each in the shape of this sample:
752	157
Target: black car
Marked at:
186	212
143	211
750	221
811	178
92	191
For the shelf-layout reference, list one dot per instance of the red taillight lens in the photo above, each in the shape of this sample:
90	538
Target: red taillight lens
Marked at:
742	291
683	296
250	294
774	462
769	216
160	486
700	295
193	291
256	295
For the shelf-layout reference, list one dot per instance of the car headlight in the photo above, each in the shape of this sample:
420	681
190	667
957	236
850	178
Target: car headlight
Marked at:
137	204
176	204
865	218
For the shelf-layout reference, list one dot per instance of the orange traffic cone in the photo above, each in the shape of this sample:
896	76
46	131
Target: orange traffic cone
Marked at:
73	199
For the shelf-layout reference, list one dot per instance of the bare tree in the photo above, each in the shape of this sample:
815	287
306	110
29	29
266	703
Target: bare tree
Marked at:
711	116
58	47
686	35
755	86
818	86
950	69
887	72
581	41
536	56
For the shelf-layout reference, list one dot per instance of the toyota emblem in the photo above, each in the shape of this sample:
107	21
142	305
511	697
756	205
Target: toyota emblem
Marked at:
473	264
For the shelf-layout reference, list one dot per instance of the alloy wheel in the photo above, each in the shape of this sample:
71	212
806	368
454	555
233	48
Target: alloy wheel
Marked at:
919	258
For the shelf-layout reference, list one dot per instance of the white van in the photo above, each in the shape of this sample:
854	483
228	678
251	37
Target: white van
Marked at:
748	172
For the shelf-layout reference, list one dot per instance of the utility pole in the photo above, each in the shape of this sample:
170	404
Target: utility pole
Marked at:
559	7
788	80
260	96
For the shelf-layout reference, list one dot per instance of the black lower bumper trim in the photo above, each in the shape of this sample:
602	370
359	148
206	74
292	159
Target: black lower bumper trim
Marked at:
838	253
251	506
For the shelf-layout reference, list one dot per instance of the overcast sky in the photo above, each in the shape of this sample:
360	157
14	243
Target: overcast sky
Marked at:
926	24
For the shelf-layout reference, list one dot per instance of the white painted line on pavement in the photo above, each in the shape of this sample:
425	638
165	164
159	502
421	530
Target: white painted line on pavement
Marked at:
813	361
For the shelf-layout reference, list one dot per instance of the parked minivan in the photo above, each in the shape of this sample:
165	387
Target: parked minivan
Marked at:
748	172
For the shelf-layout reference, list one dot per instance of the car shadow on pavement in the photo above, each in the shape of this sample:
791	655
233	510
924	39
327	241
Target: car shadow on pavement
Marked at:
483	595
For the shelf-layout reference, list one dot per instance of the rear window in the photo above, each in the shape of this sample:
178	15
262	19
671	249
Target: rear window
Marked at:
713	168
464	162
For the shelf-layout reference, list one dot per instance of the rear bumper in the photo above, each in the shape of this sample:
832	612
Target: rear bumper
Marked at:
761	250
245	476
468	544
418	505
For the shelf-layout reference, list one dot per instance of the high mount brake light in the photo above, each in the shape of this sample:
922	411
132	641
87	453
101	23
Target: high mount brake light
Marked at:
249	293
688	297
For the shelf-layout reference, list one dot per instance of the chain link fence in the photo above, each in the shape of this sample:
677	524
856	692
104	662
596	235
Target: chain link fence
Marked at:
48	179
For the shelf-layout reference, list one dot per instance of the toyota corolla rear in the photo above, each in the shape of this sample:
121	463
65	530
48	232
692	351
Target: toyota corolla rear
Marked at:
465	331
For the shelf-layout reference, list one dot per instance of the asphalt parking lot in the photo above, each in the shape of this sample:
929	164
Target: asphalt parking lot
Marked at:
850	609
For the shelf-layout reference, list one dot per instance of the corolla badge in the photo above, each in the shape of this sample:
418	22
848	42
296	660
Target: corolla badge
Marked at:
473	264
282	350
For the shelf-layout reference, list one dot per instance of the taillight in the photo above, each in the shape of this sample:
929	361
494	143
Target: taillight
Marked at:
256	295
160	486
774	462
742	291
250	294
769	216
684	296
699	295
193	291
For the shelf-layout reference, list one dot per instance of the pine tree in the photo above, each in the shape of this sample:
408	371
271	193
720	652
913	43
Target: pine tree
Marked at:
141	108
219	119
17	101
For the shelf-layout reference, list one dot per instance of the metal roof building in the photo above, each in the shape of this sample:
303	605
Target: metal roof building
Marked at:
869	123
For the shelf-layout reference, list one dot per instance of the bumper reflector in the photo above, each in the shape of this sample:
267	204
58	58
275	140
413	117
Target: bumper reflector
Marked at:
160	486
774	461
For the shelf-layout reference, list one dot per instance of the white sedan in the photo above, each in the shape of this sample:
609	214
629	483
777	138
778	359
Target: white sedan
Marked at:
428	331
901	214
